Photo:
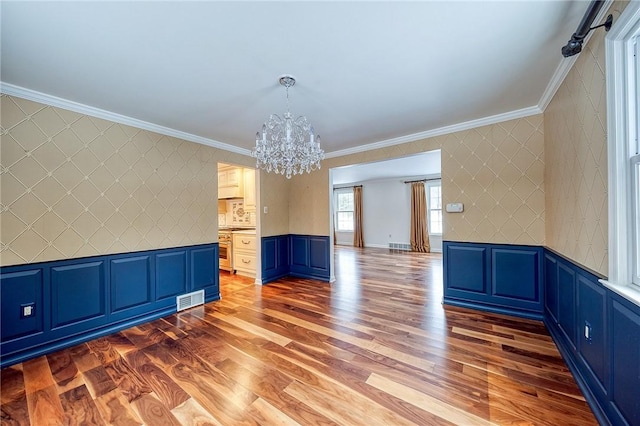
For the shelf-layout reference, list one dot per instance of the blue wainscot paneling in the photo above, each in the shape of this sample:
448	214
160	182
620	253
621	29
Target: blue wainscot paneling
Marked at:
78	295
131	283
77	300
625	358
309	256
205	272
275	258
598	334
20	289
502	278
171	275
305	256
552	297
567	309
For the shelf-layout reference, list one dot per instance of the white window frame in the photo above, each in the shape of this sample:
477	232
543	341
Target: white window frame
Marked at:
429	185
342	191
622	129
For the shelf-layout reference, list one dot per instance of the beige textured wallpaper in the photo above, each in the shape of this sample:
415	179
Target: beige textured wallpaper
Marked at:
274	195
497	171
576	159
73	185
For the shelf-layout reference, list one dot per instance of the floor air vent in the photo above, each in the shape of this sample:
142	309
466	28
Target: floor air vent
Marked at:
190	300
400	246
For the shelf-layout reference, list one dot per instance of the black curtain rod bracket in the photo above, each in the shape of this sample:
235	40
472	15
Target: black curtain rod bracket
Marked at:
574	46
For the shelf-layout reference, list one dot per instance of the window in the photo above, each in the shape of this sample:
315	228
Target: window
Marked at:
344	209
634	154
434	206
623	108
635	161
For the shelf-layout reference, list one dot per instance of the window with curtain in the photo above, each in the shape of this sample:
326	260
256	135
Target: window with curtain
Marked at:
344	209
434	207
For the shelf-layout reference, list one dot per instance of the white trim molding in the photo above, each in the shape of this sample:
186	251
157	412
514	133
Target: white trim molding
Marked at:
498	118
619	186
32	95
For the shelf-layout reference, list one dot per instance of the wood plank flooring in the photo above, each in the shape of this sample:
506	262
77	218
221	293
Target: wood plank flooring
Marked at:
374	348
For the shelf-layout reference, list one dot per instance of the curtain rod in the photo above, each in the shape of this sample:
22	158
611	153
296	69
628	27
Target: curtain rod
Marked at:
421	180
349	186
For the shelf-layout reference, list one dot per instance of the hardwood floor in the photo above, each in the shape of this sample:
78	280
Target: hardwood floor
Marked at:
374	348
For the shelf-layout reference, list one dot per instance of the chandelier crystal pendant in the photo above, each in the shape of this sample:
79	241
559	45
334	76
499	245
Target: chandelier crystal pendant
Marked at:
283	147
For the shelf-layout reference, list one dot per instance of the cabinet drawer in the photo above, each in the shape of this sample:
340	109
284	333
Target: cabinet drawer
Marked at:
244	261
244	242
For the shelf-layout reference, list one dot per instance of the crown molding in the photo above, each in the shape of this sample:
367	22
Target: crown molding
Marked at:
556	80
567	63
498	118
32	95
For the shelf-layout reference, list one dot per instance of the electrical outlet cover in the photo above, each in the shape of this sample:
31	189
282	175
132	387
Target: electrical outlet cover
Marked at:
27	310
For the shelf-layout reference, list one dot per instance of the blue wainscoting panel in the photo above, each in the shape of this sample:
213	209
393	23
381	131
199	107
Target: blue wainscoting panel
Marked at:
625	350
306	256
499	278
130	282
18	289
202	268
319	252
81	299
275	258
552	299
299	253
269	256
466	267
567	297
205	272
592	311
598	334
171	274
516	277
77	293
309	256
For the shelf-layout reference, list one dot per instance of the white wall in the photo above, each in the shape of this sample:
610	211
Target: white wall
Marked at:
386	216
387	212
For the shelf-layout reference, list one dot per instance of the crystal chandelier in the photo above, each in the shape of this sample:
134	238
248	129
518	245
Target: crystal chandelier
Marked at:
283	146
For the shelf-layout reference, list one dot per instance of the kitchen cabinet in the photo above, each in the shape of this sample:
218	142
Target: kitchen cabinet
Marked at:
230	183
250	190
244	252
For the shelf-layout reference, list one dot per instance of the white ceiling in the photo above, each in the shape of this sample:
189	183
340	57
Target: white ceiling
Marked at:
368	72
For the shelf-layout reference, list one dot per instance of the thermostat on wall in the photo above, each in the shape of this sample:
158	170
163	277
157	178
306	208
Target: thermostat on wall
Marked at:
455	207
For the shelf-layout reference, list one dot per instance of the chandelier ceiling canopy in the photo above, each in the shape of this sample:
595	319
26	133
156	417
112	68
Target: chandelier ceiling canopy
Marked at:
286	145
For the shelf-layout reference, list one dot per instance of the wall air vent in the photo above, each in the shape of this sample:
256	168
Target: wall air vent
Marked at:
400	246
190	300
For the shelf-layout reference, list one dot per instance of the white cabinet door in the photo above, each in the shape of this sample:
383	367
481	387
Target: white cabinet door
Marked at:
250	190
234	177
230	183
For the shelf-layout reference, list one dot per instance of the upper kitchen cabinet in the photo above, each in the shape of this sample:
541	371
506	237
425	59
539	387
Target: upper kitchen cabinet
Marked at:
250	190
230	182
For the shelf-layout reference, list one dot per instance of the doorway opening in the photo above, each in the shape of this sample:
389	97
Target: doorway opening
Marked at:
386	200
239	250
